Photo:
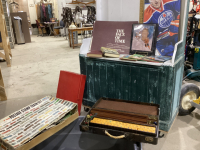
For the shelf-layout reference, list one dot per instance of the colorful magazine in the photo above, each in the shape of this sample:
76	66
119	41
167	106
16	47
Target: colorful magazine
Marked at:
23	125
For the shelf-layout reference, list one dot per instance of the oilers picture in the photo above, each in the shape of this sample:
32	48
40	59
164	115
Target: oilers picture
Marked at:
165	13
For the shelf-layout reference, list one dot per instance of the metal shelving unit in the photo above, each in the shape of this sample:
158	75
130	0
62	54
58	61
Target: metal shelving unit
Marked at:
8	23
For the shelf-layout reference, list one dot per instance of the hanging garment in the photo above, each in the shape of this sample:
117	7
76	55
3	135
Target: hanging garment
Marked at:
41	14
78	18
50	11
38	12
43	8
47	14
91	15
67	16
78	9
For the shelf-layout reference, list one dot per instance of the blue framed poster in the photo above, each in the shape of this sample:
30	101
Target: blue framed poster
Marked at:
165	13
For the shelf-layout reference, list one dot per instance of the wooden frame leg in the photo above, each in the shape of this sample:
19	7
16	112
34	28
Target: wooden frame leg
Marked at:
42	32
10	53
49	29
69	38
3	96
6	50
73	39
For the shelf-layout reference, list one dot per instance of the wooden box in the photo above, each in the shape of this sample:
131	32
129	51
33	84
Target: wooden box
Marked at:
133	121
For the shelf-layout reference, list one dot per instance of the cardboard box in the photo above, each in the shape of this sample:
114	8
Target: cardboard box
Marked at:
64	113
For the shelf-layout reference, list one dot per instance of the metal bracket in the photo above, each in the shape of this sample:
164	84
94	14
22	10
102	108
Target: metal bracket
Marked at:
149	139
153	117
195	104
151	122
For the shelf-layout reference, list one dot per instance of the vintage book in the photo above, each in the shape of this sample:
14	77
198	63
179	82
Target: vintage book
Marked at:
165	58
160	58
127	57
24	126
112	34
111	55
108	52
137	57
119	119
95	54
71	87
165	13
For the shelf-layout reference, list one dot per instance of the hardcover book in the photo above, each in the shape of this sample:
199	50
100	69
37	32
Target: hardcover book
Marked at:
95	54
111	34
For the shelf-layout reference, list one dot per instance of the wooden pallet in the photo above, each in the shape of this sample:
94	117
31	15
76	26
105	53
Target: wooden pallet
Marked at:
3	96
5	44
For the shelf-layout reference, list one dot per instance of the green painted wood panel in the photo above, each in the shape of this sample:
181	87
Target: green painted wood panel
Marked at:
135	82
118	92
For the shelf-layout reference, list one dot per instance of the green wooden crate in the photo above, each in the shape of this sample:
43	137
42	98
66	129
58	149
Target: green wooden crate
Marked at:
134	82
151	83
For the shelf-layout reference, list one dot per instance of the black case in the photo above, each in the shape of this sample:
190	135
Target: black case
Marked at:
140	112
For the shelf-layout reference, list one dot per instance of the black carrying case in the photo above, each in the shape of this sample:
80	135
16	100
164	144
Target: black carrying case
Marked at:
138	113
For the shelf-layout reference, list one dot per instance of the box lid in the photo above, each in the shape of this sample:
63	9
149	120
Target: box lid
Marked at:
71	87
128	106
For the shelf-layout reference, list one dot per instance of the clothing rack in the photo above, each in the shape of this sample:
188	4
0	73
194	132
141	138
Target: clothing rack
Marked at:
13	3
44	3
84	3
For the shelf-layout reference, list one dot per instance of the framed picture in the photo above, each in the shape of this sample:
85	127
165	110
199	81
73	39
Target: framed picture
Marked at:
165	13
143	39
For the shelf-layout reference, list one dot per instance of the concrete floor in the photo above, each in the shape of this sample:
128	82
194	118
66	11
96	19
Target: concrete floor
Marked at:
35	72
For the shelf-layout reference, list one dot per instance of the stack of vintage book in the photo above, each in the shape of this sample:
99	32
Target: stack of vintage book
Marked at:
22	126
105	52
